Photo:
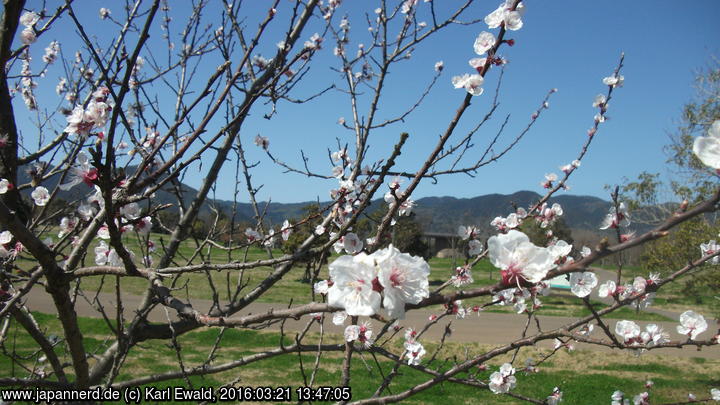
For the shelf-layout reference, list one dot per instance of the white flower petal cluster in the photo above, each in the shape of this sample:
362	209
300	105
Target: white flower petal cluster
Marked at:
504	14
618	398
484	42
5	237
501	382
475	247
512	221
518	258
691	324
467	232
82	120
707	148
462	276
339	318
560	250
516	297
414	351
286	229
405	207
41	196
362	282
582	284
710	248
616	217
106	256
471	83
262	141
548	215
81	172
629	331
5	185
614	80
29	19
555	398
352	288
607	289
633	336
360	333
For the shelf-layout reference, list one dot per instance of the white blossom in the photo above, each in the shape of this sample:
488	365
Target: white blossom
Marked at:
29	18
582	284
471	83
5	237
614	80
414	352
339	318
629	331
352	243
352	287
502	381
5	185
691	324
710	248
707	148
484	42
518	258
404	279
40	195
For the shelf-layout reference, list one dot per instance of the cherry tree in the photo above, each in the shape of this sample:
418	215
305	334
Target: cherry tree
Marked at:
145	99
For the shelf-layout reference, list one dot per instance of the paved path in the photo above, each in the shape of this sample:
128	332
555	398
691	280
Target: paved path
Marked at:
487	328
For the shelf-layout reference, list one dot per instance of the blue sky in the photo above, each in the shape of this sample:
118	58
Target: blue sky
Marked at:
568	45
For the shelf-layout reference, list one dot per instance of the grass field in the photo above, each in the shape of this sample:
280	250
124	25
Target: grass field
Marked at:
584	377
293	287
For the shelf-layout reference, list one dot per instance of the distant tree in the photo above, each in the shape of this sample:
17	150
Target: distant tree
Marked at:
406	235
693	181
301	231
541	236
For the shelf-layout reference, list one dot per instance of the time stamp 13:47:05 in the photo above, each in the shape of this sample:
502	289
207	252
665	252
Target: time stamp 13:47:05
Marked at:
283	394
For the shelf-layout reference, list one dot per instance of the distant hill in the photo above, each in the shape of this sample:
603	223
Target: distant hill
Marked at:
435	214
445	214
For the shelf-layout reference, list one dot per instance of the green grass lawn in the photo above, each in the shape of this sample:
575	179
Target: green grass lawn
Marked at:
584	377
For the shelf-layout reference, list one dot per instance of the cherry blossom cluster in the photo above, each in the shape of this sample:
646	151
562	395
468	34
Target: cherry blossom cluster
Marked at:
359	284
632	335
503	380
519	260
271	239
29	20
504	16
518	296
545	216
691	325
617	217
414	350
83	120
512	221
8	249
394	196
470	233
710	248
359	333
635	288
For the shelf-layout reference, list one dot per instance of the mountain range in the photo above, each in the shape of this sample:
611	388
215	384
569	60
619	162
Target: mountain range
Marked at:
435	214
